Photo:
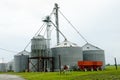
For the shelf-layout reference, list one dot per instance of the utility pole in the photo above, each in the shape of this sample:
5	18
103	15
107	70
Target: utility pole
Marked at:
57	22
59	63
115	63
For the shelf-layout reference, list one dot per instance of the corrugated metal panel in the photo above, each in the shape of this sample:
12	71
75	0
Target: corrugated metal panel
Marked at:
21	62
94	55
69	56
10	66
2	67
38	48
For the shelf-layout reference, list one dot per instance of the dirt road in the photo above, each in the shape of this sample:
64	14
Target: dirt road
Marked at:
10	77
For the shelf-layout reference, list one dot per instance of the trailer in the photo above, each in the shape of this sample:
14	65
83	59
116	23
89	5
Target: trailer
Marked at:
90	65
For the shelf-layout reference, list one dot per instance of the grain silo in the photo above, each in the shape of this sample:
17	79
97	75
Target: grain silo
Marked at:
38	46
10	66
38	49
2	67
21	61
93	53
70	54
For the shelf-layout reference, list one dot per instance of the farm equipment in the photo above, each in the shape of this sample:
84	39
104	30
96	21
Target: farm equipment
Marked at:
90	65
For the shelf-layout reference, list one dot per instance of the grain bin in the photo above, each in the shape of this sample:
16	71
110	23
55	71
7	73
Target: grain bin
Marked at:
38	46
21	61
93	53
2	67
38	49
70	53
10	66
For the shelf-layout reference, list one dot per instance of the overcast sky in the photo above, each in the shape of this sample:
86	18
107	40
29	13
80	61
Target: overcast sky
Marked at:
97	20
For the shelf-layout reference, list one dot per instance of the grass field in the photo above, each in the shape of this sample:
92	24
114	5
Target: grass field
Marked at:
109	74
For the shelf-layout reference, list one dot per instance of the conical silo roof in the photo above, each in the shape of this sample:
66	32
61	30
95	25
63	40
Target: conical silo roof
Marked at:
89	46
24	52
67	44
38	37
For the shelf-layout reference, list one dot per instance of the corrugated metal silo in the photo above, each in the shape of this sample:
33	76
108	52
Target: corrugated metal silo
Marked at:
38	46
38	49
21	61
93	53
70	54
10	66
2	67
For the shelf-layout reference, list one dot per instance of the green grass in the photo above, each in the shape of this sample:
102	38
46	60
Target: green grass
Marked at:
109	74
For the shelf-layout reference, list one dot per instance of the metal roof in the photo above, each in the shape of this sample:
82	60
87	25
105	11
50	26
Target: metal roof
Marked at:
38	37
89	46
24	52
67	44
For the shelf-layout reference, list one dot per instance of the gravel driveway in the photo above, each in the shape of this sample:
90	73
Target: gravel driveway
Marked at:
10	77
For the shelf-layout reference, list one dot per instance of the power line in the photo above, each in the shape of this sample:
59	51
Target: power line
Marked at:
8	50
39	30
73	27
59	31
52	12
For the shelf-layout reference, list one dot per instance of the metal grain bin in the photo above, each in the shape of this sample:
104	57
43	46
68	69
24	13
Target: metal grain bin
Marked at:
10	66
21	61
38	46
93	53
2	67
38	49
70	54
